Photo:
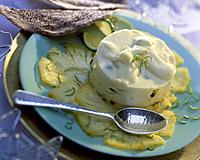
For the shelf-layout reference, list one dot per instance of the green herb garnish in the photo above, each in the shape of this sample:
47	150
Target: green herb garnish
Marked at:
195	97
57	53
70	92
190	91
193	108
144	62
196	118
77	80
186	117
175	105
182	122
68	125
185	101
137	57
111	23
76	69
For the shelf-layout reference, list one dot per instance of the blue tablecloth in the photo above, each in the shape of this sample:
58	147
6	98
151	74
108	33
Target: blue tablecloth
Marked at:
5	25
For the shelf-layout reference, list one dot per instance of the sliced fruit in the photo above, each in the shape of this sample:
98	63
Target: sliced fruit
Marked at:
94	125
179	59
75	63
165	104
169	130
104	27
181	80
57	57
49	72
126	141
95	33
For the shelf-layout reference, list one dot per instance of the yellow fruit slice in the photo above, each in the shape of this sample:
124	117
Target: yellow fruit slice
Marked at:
178	58
169	130
48	72
181	80
126	141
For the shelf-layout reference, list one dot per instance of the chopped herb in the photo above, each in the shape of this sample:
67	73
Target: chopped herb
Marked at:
144	62
156	103
175	105
186	101
57	53
195	97
70	54
186	117
68	125
78	81
190	91
112	26
39	86
196	118
76	68
193	108
70	92
182	122
59	78
179	118
137	57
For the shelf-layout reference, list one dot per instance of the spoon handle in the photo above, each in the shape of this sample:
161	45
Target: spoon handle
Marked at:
22	97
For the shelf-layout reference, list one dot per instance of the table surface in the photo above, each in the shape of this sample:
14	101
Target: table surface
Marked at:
5	25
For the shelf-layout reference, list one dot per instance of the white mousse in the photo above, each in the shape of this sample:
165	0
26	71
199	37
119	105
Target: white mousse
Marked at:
133	68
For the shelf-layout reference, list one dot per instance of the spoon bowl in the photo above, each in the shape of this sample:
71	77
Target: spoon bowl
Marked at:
139	121
131	120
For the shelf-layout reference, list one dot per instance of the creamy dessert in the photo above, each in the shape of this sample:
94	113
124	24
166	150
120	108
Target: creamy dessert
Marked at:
133	68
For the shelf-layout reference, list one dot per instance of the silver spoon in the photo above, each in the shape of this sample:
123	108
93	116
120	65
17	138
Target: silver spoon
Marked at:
131	120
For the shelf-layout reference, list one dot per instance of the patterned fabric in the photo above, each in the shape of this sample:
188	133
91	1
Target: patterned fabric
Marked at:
18	146
171	13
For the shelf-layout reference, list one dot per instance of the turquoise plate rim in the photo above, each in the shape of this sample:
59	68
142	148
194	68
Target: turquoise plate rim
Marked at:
46	114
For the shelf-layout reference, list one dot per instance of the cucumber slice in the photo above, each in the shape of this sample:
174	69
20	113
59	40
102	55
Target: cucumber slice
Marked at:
93	125
104	27
95	33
